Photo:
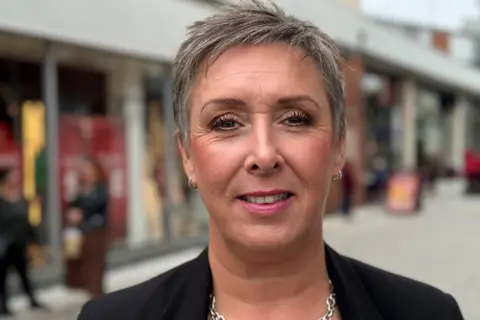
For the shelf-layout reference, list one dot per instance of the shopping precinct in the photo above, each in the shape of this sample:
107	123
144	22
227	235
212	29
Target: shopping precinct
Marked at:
90	79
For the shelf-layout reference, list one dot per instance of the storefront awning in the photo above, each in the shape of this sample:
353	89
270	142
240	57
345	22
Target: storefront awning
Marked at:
154	29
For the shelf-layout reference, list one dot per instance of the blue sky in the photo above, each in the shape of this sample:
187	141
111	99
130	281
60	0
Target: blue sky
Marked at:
441	13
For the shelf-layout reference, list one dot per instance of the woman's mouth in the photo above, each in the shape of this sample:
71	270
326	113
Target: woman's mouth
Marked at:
266	204
266	199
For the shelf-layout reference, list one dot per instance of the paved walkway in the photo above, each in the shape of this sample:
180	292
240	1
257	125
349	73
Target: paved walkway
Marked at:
65	304
440	246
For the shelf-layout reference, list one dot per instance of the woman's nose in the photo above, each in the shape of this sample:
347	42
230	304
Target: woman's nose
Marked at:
264	158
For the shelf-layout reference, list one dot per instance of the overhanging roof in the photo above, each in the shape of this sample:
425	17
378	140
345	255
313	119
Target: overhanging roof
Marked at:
154	29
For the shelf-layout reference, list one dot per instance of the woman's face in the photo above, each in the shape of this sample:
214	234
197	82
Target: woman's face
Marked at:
88	173
262	146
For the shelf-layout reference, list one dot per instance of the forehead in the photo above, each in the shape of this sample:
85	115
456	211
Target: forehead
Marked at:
266	71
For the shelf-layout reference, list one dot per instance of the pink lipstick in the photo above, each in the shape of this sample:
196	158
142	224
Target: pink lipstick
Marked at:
267	203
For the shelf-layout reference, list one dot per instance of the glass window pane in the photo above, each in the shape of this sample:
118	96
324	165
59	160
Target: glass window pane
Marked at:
91	127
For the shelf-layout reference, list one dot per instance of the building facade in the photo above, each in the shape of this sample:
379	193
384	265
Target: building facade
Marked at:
59	103
72	85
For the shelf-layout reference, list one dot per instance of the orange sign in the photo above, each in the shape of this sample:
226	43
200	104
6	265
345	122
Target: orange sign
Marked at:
403	193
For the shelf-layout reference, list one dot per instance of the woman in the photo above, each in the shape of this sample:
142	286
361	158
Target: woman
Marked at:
16	233
89	213
259	106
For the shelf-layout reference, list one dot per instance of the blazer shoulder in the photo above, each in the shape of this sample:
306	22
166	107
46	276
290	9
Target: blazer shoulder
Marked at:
130	302
396	295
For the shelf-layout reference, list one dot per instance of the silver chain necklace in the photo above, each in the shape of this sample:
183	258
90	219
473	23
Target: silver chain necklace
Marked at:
331	303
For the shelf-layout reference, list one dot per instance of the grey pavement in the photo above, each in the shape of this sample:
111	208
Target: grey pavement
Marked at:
439	246
65	304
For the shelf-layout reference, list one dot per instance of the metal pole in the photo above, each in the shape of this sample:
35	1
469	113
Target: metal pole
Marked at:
50	98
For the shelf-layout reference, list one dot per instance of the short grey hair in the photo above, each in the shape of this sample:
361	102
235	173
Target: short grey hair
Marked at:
255	22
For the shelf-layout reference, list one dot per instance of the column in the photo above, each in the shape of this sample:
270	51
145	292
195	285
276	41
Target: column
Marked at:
458	138
133	104
409	98
50	99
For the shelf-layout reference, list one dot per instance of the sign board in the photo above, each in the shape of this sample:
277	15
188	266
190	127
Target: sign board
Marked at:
403	193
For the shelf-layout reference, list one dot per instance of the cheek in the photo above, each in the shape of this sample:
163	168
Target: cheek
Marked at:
215	164
318	159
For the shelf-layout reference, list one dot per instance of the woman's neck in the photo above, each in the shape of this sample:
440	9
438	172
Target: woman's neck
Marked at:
280	287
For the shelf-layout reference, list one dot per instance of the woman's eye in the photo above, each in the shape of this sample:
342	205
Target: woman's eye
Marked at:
228	124
297	120
225	124
294	121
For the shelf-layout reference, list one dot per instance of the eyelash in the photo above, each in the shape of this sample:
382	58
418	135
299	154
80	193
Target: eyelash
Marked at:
297	115
216	124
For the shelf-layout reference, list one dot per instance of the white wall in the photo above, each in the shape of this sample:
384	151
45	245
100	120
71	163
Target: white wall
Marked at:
155	28
463	49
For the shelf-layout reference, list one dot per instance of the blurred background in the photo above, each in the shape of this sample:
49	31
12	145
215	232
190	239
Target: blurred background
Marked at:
93	78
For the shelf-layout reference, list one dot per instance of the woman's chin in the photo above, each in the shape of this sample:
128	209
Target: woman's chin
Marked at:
266	241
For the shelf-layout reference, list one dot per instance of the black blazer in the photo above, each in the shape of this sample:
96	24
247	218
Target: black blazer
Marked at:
363	293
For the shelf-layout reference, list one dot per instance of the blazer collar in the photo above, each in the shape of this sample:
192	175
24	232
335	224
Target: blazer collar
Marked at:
190	296
353	298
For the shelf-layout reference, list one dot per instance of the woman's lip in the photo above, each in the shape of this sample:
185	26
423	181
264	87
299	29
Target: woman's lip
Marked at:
265	193
267	209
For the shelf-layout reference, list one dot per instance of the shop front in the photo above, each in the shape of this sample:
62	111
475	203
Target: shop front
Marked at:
66	103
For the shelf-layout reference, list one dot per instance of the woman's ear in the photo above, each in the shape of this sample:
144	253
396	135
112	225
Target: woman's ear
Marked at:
187	161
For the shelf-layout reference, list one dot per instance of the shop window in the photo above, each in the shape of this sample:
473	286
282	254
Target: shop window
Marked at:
22	137
88	129
183	222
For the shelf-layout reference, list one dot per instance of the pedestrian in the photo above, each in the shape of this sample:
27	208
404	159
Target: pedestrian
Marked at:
260	114
88	214
16	233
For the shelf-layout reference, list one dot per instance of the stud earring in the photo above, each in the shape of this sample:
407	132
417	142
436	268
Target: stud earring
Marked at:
192	184
338	177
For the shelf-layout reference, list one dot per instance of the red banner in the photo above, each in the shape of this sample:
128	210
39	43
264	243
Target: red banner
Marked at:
472	163
102	138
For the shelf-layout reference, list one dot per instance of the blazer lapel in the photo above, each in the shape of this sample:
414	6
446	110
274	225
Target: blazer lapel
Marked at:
352	297
190	296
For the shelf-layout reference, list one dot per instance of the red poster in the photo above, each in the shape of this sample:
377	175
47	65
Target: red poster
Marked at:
103	139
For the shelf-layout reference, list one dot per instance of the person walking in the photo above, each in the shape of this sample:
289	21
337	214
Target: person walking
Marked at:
16	233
